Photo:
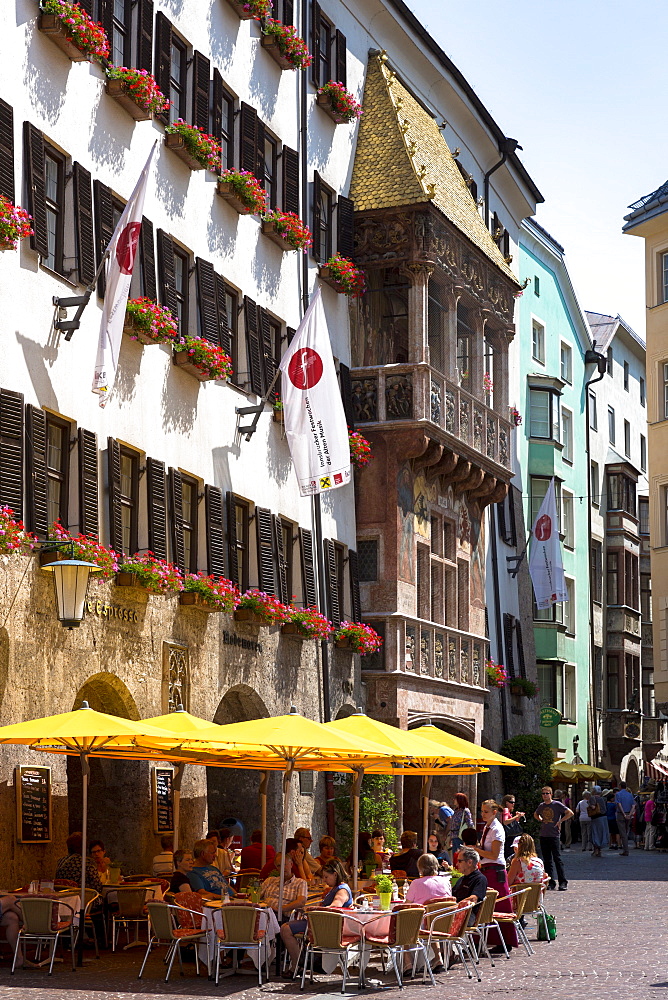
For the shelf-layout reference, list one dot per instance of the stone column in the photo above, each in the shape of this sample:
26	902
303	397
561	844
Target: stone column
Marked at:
418	339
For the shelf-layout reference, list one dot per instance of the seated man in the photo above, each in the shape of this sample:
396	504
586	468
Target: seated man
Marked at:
406	859
294	862
205	877
163	863
473	886
251	856
69	867
295	893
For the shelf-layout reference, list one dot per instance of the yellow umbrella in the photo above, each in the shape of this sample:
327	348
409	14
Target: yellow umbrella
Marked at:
474	753
579	772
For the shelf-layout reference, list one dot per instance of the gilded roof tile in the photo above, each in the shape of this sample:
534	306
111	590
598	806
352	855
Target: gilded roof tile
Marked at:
402	159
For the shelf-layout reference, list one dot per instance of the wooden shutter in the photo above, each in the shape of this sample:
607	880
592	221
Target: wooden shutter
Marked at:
331	582
281	562
508	635
259	155
520	648
145	36
315	229
232	550
217	106
104	226
175	481
315	42
115	510
36	481
87	5
163	56
166	273
6	151
33	144
290	199
201	76
309	595
340	55
207	301
83	224
288	12
289	334
345	225
215	531
248	138
254	347
347	394
224	332
147	259
11	451
355	602
89	517
156	505
266	564
105	15
268	352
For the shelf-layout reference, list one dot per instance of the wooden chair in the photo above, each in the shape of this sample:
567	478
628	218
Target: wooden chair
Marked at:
162	922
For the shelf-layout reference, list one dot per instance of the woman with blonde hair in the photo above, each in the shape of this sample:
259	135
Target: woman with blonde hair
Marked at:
493	868
526	866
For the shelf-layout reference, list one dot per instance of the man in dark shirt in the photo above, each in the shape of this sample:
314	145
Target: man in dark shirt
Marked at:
406	860
473	885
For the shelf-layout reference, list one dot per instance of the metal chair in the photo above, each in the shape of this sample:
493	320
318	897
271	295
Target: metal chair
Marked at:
241	931
131	910
326	935
518	901
403	936
90	897
533	905
163	930
448	927
41	922
481	924
244	877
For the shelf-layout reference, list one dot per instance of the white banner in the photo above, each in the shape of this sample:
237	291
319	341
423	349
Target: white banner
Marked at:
545	565
120	263
315	424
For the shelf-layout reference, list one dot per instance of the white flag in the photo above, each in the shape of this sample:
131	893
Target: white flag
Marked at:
315	424
545	565
120	263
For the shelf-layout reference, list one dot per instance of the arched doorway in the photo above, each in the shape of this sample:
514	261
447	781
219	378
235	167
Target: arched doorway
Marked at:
119	793
443	788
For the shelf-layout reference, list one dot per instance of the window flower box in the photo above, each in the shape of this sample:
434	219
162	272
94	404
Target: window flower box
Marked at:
209	593
197	149
343	643
284	45
124	579
294	630
242	191
54	29
338	103
228	194
250	9
14	224
269	229
149	323
73	30
272	47
357	637
135	332
251	617
204	361
343	276
259	608
118	90
182	361
177	145
287	231
51	556
153	574
306	623
190	600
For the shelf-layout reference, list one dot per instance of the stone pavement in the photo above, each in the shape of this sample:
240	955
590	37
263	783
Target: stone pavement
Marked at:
611	943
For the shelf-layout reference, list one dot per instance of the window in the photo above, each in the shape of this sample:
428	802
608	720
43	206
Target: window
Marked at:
643	453
593	412
664	276
538	341
569	607
178	70
567	434
665	391
567	520
286	559
232	312
536	286
227	131
626	375
551	684
270	163
121	22
631	580
613	681
612	578
596	556
543	414
367	559
627	439
570	710
505	510
642	392
643	515
611	425
181	283
538	489
54	182
129	499
323	210
566	363
189	505
609	362
237	540
552	614
57	463
323	47
648	701
595	485
621	493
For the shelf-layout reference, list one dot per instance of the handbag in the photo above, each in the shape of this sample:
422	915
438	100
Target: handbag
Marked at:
594	811
547	927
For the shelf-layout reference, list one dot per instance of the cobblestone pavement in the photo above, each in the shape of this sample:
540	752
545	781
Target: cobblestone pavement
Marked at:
611	942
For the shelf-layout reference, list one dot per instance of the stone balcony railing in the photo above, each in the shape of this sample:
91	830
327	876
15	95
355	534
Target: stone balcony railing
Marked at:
410	393
413	646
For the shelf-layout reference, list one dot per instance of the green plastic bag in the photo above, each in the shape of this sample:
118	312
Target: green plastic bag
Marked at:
551	922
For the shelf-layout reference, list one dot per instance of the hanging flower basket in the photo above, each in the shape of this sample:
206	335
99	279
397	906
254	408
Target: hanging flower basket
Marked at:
136	91
497	675
342	275
241	189
284	45
73	31
209	593
14	224
197	149
360	638
338	103
251	9
286	230
203	360
149	323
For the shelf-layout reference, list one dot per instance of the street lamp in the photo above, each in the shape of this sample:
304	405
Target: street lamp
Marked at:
70	581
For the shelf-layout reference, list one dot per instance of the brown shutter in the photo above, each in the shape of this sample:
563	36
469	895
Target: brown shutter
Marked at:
147	259
201	76
259	155
87	5
105	15
224	333
347	395
215	531
217	105
345	224
266	564
281	563
508	635
33	144
232	551
206	301
83	224
248	138
309	595
254	347
520	648
104	226
176	511
340	53
89	517
355	602
145	36
11	451
156	505
315	229
163	56
289	334
166	273
268	352
331	582
290	198
288	12
37	506
115	511
6	151
315	42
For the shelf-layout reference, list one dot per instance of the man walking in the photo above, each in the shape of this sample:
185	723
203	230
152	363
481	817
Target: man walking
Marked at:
625	804
551	814
585	822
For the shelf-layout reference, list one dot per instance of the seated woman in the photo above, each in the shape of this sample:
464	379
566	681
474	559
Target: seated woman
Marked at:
406	859
339	895
437	849
431	884
383	853
327	848
180	881
11	919
100	860
526	866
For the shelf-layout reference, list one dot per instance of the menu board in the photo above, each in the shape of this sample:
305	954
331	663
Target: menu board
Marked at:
33	804
163	800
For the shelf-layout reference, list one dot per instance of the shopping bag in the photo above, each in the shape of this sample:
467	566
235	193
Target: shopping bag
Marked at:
551	922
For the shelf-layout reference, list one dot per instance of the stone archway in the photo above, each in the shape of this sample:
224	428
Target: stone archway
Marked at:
443	788
345	711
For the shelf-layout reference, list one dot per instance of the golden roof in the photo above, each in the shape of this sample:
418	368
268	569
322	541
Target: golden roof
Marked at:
402	159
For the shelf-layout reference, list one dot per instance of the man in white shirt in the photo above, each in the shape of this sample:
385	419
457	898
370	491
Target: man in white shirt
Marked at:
163	863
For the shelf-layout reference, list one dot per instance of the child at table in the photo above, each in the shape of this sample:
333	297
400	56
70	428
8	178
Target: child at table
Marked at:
469	839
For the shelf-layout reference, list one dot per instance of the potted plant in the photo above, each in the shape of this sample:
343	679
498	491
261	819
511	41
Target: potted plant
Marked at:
286	230
13	536
360	449
523	687
257	9
497	675
14	224
242	190
487	383
88	548
307	623
136	91
360	638
338	103
202	359
342	275
384	887
258	608
278	411
73	30
284	45
149	323
155	575
209	593
198	149
515	416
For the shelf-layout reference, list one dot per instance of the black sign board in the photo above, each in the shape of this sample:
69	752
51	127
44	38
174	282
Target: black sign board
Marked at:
33	804
163	800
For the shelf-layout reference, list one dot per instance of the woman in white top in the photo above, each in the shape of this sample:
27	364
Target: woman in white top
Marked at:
585	821
493	868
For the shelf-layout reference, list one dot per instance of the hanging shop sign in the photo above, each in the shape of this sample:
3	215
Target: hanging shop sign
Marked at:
550	717
163	799
33	804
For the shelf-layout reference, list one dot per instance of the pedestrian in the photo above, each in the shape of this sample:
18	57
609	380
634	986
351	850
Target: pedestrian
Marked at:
493	868
566	836
551	813
440	813
585	822
460	820
511	823
611	814
600	835
626	805
650	829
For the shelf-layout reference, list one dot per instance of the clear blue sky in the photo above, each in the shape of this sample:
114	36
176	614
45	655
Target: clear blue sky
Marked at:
581	84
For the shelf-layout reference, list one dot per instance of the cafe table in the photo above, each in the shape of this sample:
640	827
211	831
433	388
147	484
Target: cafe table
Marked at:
213	921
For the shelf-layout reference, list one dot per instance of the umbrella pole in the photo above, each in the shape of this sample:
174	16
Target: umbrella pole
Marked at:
85	772
356	792
178	778
263	815
287	788
426	788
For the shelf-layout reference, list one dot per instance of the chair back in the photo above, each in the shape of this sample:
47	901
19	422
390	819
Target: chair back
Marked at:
65	883
245	877
40	915
189	901
325	928
532	898
398	873
241	922
486	911
518	898
408	923
131	902
440	921
459	920
90	895
162	920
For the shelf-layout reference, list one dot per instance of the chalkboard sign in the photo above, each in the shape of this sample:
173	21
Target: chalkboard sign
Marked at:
163	800
33	804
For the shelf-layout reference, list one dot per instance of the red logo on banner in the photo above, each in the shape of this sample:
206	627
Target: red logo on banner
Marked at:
126	248
338	478
543	528
305	368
